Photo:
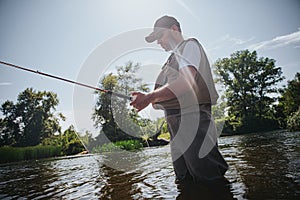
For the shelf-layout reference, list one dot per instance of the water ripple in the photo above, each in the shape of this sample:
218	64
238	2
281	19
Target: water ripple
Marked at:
262	166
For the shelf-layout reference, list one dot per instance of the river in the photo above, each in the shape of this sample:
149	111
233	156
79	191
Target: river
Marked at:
262	166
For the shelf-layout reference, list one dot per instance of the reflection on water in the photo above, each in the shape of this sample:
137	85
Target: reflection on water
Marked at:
262	166
272	165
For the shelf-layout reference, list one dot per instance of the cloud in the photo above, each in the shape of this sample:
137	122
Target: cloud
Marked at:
228	41
238	41
5	83
280	41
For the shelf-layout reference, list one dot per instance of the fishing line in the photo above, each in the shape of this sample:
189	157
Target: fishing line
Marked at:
67	80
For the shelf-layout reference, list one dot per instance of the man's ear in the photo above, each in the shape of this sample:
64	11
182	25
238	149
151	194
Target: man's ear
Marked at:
174	28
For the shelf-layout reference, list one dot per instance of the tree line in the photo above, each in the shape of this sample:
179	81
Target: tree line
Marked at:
252	102
252	98
32	121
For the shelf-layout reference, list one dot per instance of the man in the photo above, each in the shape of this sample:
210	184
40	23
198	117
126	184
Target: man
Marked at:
185	91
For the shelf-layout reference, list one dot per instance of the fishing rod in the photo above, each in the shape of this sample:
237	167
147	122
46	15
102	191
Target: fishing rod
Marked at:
67	80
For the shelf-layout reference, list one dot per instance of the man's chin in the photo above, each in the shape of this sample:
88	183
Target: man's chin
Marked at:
165	48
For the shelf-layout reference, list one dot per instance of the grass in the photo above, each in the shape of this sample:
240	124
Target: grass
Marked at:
165	136
13	154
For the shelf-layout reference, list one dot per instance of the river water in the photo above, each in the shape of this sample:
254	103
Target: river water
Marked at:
262	166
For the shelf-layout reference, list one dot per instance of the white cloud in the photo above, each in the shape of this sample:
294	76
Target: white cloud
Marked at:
277	42
238	41
5	83
228	41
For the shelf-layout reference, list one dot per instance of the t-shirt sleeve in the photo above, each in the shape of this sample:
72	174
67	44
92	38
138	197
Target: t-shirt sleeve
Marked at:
190	55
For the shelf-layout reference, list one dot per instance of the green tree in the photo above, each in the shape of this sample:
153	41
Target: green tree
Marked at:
68	141
293	121
30	120
71	142
103	109
249	81
289	101
112	111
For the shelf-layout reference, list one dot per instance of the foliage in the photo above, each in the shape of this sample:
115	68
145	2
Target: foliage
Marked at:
30	120
218	112
249	81
113	114
68	141
13	154
165	136
293	121
128	145
289	100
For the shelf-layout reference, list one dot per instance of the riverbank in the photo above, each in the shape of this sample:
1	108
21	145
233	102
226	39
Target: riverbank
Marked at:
263	132
14	154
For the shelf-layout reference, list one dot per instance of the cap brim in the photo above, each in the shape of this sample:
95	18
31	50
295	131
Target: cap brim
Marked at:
151	38
155	35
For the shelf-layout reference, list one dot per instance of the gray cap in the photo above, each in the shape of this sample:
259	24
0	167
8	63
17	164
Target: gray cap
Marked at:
162	23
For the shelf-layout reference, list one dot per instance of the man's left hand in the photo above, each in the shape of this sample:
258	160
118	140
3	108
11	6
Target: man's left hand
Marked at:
140	100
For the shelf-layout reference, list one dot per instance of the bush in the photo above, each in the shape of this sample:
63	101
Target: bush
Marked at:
293	121
73	147
128	145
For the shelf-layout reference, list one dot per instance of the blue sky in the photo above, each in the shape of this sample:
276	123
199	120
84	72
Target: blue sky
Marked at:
58	37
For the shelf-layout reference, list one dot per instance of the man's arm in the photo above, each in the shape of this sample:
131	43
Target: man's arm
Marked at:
184	83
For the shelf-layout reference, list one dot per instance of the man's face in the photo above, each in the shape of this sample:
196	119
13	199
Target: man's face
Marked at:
165	40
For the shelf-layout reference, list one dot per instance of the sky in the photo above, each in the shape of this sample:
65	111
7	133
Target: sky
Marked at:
84	39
